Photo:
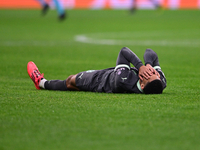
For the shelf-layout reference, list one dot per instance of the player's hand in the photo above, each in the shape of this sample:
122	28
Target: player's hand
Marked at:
145	72
152	70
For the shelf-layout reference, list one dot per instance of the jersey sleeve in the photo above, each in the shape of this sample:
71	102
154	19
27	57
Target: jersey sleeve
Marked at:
162	76
126	56
150	57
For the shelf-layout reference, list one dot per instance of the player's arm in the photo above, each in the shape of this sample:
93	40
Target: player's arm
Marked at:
126	56
150	57
151	60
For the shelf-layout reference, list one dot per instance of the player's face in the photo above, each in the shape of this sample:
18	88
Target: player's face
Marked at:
153	77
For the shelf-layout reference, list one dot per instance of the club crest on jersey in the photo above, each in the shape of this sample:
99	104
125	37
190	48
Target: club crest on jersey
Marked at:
119	71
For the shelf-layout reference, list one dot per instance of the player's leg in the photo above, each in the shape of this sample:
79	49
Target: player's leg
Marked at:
60	9
56	85
41	83
71	83
45	6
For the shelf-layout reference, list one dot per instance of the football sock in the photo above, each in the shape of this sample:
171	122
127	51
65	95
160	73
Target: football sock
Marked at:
59	7
59	85
41	84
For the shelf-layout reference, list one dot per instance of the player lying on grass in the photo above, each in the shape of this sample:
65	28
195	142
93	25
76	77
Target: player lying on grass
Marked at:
122	78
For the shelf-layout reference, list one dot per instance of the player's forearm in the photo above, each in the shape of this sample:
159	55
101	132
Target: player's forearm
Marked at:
126	55
150	57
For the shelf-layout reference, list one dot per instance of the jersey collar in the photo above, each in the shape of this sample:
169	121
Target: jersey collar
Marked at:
139	86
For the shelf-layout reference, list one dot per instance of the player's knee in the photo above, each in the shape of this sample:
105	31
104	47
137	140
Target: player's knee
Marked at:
70	82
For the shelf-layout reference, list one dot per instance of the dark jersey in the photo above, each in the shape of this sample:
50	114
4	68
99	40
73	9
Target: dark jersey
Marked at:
121	79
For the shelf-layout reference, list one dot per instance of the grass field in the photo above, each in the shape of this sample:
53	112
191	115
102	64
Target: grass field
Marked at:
91	39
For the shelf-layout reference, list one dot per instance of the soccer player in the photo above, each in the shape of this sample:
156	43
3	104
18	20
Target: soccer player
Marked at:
122	78
134	4
59	8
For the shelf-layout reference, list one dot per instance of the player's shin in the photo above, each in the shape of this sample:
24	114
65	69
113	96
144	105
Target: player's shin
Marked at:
59	85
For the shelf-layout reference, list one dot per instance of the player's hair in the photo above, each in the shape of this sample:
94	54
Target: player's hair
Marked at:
154	87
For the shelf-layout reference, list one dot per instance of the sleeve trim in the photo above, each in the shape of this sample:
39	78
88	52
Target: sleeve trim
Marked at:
120	66
139	86
157	67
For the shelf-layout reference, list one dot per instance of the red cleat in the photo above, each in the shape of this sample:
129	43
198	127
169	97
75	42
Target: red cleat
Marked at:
34	74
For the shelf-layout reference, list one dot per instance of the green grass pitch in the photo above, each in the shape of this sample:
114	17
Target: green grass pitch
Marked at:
91	39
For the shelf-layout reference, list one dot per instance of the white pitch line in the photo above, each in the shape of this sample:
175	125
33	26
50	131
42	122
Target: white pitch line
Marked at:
92	39
86	39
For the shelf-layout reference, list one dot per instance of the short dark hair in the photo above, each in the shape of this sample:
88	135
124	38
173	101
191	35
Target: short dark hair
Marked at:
154	87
